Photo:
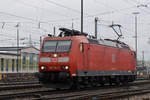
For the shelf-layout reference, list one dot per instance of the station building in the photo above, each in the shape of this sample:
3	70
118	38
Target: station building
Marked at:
22	59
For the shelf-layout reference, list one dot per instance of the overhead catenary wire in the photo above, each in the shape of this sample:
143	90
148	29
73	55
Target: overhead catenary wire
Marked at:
137	5
10	36
69	9
47	30
77	18
115	9
60	5
41	8
21	29
63	6
85	16
22	17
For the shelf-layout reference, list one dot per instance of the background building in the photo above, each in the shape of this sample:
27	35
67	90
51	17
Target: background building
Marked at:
28	58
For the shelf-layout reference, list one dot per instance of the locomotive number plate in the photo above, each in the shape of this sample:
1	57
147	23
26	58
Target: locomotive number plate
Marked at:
54	59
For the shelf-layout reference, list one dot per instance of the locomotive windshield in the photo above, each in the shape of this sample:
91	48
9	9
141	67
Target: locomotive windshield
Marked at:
56	46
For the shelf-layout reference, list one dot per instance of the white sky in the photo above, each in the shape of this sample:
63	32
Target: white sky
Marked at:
61	13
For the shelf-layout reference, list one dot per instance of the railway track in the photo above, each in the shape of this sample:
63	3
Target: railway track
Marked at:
16	87
96	95
103	93
19	85
100	93
32	93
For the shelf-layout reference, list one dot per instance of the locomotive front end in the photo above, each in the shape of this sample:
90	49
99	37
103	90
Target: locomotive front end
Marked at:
54	62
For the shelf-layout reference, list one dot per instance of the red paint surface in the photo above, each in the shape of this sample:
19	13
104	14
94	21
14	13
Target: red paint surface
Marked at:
94	57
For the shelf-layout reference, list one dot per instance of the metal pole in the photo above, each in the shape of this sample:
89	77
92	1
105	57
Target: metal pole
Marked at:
54	31
40	41
96	19
136	40
39	25
136	35
143	58
17	49
72	25
81	16
30	42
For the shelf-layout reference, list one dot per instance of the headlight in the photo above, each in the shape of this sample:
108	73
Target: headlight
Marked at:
65	67
43	67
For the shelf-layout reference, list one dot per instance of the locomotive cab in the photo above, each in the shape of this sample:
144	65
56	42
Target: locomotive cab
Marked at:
54	61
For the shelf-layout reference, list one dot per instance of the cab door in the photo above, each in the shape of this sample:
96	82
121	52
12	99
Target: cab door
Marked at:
85	51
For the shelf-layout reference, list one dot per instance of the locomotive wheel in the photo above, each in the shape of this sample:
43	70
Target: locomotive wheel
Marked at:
102	83
110	82
75	84
92	82
58	89
78	86
117	82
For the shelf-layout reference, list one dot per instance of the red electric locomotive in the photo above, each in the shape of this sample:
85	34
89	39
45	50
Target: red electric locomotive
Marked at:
73	59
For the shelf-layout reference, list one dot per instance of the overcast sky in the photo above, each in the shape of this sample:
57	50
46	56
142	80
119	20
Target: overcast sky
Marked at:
62	13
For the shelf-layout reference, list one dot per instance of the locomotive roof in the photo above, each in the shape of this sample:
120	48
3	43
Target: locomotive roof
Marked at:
68	32
109	42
